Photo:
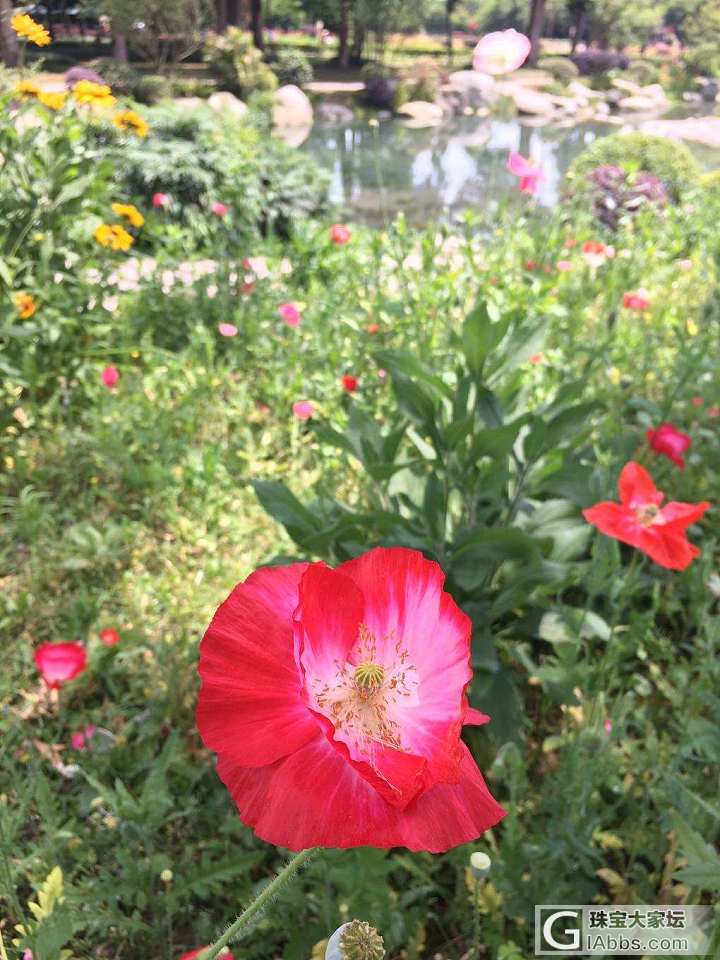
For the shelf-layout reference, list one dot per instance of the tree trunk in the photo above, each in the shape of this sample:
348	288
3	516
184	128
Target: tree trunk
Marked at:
449	7
358	42
537	20
8	38
233	13
120	50
221	16
256	23
579	30
344	34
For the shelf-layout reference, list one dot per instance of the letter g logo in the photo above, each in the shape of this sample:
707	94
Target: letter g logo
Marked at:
573	932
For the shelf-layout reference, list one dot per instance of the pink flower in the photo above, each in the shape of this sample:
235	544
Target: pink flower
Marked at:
60	662
290	314
89	730
536	358
685	265
257	265
697	401
529	174
77	740
636	300
110	377
247	287
192	954
501	52
303	409
382	374
109	637
607	725
339	234
349	383
160	199
227	329
564	265
714	411
670	442
220	209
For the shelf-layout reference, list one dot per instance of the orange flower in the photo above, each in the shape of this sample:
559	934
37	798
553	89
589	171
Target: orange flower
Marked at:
25	305
130	212
95	94
129	120
25	27
113	236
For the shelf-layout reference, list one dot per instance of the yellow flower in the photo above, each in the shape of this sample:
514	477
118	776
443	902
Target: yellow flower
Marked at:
130	212
95	94
25	27
25	305
692	328
113	236
51	99
28	88
129	120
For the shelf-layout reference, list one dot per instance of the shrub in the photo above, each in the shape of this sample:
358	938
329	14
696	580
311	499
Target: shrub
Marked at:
292	66
118	74
152	87
616	192
194	86
672	163
643	72
560	68
422	80
234	60
703	61
380	86
591	62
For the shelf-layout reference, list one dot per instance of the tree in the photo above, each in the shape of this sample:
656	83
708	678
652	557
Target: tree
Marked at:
344	34
161	29
537	20
449	8
256	23
8	40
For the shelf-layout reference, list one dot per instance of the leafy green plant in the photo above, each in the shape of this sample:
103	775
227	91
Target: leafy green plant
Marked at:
292	66
233	58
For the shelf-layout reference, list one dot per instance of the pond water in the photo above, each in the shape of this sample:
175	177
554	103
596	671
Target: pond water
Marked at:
437	172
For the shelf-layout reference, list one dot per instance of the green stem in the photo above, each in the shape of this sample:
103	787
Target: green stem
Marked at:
476	920
260	902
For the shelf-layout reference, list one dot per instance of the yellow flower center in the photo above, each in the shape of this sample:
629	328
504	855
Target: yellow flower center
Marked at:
369	675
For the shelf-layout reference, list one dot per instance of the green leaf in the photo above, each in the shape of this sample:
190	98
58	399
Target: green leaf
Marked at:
404	364
284	507
481	334
486	547
706	876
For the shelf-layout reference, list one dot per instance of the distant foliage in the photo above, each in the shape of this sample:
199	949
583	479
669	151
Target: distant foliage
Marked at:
593	61
561	69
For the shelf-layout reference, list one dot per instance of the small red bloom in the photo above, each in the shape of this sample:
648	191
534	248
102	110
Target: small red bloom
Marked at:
110	377
220	209
714	411
60	662
697	401
570	243
638	519
227	329
77	740
595	253
536	358
637	300
670	442
349	382
290	313
528	173
160	199
372	328
109	637
247	286
531	265
343	727
303	409
339	234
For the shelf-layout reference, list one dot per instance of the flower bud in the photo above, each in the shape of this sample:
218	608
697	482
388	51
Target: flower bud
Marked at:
480	864
166	876
355	940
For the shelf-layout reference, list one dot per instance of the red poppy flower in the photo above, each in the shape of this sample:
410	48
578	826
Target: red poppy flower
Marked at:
109	637
697	401
339	234
160	199
640	521
595	253
349	382
638	300
342	728
191	954
531	265
670	442
714	411
528	173
60	662
220	209
372	328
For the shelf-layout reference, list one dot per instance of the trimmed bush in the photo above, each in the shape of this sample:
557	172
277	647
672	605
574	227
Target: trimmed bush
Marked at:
292	66
233	59
703	61
672	163
590	62
643	72
561	69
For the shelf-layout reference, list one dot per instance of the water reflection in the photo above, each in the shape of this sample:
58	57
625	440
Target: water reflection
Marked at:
437	172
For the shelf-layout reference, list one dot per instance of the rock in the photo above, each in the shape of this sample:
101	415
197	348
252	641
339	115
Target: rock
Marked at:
528	101
639	104
582	92
690	96
698	129
189	103
470	89
627	86
293	136
421	112
291	107
335	113
225	102
328	88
